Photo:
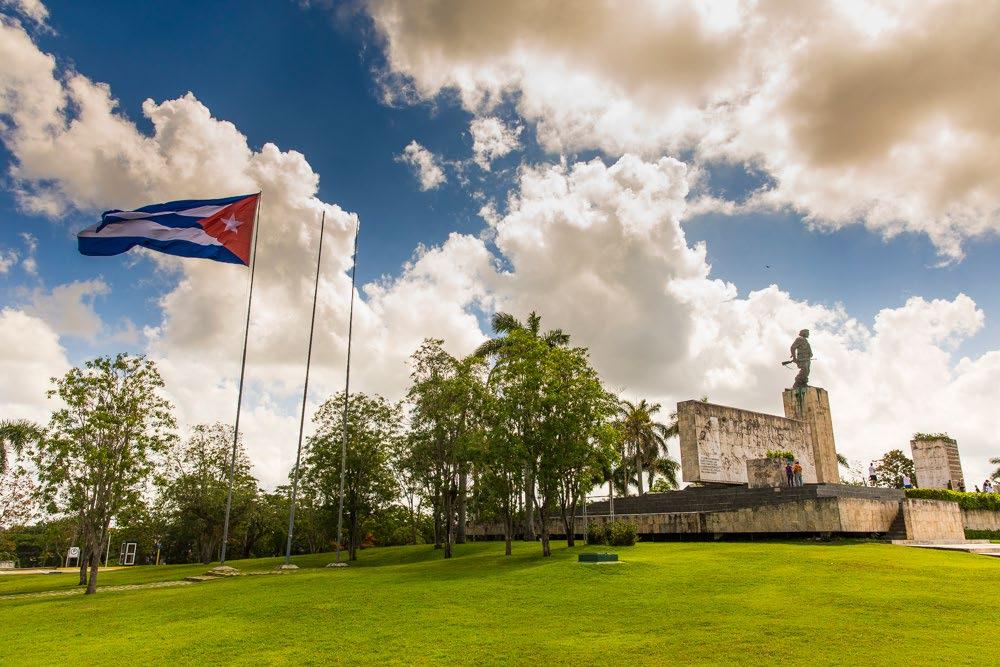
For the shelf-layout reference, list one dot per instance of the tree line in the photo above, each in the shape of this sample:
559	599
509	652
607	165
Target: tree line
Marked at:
518	434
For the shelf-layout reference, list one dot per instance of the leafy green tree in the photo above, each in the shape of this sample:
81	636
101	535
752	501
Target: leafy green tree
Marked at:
194	486
645	440
496	349
373	425
100	449
15	436
889	470
446	400
578	433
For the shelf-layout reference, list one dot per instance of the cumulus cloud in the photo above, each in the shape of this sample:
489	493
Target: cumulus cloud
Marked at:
32	10
492	138
426	166
69	308
881	112
30	354
8	258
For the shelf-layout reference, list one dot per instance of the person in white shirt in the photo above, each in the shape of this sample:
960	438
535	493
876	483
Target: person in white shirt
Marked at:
907	484
871	474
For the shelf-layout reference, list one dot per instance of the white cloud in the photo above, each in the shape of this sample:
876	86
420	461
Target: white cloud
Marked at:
30	354
8	258
492	138
426	166
69	308
29	263
33	10
880	112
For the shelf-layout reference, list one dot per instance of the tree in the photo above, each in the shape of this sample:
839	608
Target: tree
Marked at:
194	487
645	440
373	425
17	497
446	400
996	473
889	470
100	449
496	349
15	436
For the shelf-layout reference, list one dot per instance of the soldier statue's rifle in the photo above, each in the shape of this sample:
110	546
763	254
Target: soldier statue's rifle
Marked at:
792	361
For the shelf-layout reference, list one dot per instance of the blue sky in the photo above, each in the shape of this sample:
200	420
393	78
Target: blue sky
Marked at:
311	79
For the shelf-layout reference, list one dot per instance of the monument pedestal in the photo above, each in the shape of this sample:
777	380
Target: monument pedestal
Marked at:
811	405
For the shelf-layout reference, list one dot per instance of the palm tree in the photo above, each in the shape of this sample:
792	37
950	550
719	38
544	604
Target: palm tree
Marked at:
996	473
646	440
505	323
15	434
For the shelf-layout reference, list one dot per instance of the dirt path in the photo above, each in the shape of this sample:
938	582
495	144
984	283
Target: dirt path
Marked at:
100	589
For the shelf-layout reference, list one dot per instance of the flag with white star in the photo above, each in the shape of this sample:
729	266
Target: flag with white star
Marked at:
217	229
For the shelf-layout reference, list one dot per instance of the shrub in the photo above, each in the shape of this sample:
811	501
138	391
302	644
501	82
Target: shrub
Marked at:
779	454
965	500
929	437
595	533
993	535
621	533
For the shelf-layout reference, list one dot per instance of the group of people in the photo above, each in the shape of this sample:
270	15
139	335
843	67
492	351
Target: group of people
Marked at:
793	472
988	486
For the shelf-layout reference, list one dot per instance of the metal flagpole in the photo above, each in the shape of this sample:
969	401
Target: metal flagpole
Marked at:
305	394
239	397
347	388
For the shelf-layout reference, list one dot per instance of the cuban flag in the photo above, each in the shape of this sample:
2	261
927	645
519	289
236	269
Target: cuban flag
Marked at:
219	229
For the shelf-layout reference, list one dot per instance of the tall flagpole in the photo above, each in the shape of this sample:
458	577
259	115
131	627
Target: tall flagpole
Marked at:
239	398
305	394
347	388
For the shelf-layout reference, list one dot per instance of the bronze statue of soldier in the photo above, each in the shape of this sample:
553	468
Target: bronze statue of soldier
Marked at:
802	357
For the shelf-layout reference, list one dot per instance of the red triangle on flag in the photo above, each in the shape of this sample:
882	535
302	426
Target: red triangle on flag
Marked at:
233	226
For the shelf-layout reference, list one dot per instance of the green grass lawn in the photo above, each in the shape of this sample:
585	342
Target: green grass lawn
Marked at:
807	603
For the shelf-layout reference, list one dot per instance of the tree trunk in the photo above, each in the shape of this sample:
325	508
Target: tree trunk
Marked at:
463	502
611	495
544	520
638	473
449	534
84	559
95	559
437	521
529	508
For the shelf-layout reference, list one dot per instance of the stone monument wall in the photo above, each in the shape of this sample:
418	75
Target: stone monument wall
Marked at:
811	405
936	463
717	441
932	520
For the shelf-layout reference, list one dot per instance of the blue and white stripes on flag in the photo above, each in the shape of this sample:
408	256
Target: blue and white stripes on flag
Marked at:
217	229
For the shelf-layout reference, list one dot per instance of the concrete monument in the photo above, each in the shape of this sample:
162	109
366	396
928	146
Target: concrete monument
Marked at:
717	441
936	462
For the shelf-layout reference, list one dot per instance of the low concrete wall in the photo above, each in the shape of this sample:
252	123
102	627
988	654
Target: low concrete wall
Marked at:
981	519
860	515
814	515
932	520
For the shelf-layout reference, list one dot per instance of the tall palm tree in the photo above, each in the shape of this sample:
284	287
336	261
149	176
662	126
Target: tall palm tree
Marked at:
996	473
505	323
645	440
15	435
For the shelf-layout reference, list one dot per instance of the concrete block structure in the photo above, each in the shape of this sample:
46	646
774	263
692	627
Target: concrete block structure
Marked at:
717	441
936	462
811	406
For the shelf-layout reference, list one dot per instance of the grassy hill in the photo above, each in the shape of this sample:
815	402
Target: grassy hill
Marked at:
840	602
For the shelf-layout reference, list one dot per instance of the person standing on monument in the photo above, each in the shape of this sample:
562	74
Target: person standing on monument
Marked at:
789	473
802	357
797	473
872	477
907	484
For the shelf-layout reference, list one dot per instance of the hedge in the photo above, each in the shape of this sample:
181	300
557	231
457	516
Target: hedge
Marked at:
993	535
965	500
